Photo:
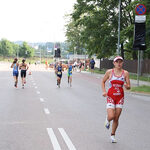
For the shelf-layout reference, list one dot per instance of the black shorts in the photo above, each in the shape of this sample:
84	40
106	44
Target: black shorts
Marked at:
23	73
92	67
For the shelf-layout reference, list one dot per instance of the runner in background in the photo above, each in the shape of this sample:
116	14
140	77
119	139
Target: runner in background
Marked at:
24	67
46	64
70	74
92	64
115	96
15	66
59	70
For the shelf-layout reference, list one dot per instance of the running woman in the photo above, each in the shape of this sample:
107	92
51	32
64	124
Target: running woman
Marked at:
70	74
24	67
15	66
115	96
59	70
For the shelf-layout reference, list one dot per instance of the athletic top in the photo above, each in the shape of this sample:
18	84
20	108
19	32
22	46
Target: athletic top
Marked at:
116	84
70	70
15	68
59	70
92	63
23	66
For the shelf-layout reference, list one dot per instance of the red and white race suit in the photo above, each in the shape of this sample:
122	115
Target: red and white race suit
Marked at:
115	95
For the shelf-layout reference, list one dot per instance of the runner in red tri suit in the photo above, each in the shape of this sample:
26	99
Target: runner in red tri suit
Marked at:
115	96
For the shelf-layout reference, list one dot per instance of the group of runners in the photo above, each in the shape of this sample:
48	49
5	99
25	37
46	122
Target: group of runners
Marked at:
23	67
58	71
117	77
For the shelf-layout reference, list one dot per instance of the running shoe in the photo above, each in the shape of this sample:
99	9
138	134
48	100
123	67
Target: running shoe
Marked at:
112	138
107	124
22	86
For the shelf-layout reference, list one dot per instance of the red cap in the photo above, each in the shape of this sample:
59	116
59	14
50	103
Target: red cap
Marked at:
117	58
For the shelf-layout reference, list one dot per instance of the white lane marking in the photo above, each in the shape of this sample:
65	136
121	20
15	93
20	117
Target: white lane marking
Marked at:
53	139
46	111
34	83
38	92
66	139
42	100
35	87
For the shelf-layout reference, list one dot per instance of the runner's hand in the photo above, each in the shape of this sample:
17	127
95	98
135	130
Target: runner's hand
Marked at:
126	86
104	94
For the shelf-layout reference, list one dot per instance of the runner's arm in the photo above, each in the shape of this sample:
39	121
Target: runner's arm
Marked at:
127	84
20	66
12	65
105	78
27	67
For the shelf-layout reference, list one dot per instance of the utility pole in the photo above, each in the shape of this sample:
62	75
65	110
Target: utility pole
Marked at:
119	16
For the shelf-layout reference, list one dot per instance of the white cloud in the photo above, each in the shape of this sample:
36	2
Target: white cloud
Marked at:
34	20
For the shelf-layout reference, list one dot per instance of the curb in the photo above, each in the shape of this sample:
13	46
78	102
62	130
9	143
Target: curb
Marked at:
138	93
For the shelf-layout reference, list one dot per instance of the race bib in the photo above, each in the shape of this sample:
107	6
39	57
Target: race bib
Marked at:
59	73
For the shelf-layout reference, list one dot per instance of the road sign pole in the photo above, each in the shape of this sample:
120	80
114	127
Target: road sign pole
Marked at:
138	68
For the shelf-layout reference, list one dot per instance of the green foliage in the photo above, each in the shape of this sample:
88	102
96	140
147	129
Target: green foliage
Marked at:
9	49
25	50
6	48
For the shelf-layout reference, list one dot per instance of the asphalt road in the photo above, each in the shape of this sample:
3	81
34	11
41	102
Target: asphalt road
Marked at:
45	117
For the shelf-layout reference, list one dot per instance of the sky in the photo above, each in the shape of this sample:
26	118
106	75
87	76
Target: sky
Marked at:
34	20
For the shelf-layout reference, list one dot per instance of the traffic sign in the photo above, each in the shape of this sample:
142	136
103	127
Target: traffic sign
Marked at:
140	9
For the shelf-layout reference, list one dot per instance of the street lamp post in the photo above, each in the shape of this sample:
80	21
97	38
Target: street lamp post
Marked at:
119	16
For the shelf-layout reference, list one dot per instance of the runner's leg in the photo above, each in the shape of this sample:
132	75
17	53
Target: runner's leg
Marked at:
116	120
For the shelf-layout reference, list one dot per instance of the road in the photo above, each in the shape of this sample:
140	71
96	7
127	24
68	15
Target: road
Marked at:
45	117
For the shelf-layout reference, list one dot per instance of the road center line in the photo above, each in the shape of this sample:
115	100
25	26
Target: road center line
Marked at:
53	139
66	139
46	111
35	87
41	99
38	92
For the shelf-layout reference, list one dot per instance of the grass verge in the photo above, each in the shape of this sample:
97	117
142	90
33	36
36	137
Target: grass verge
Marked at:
143	89
132	76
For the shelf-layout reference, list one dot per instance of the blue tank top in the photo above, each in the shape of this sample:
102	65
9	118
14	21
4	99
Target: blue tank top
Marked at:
59	70
70	69
15	68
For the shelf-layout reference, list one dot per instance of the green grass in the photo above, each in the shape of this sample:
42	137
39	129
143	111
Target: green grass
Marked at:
96	70
144	89
141	78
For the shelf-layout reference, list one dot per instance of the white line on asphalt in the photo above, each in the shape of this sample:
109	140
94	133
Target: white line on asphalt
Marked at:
41	99
66	139
38	92
53	139
46	111
34	83
35	87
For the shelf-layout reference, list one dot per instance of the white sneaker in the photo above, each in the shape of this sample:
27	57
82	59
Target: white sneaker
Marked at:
112	138
107	124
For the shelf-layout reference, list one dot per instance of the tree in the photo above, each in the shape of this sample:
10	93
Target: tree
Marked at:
6	48
25	50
